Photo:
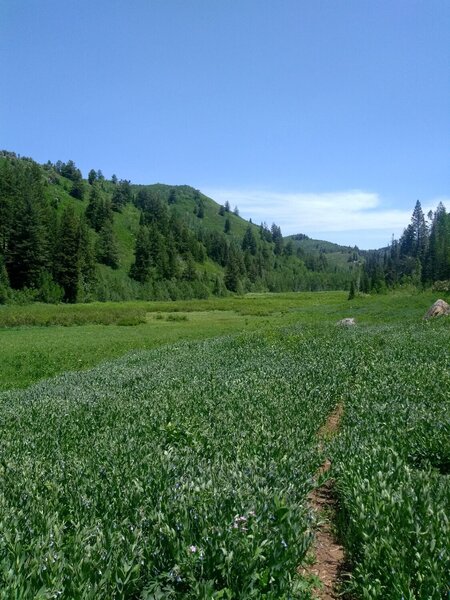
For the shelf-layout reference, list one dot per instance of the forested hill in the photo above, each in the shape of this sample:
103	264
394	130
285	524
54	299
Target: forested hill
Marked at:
65	238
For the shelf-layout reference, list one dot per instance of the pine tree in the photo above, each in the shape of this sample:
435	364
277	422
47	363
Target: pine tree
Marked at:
438	255
414	240
122	195
140	270
26	255
107	250
77	190
234	269
92	176
351	293
227	226
200	209
172	197
4	282
67	256
93	208
277	239
190	273
7	195
249	241
88	271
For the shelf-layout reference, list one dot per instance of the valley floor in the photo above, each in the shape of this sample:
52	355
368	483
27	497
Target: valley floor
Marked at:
168	450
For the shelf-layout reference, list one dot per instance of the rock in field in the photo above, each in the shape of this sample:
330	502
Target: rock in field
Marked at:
439	308
348	322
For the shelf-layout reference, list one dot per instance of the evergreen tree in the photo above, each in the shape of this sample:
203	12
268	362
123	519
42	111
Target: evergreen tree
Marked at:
289	250
4	282
8	182
67	256
200	209
77	189
27	252
414	240
277	239
88	274
172	197
154	210
69	170
249	241
107	250
98	210
351	294
122	195
140	270
92	176
227	226
172	265
234	269
438	255
93	209
189	273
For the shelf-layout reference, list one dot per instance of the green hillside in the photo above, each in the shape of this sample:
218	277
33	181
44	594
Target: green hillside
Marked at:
63	237
348	258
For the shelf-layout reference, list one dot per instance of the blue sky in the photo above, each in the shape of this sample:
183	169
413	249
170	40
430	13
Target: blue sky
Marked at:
329	117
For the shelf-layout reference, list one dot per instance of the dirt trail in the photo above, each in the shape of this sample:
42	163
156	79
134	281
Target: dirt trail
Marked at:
328	553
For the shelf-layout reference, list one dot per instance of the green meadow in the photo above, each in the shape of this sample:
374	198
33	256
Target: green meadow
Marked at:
43	340
167	449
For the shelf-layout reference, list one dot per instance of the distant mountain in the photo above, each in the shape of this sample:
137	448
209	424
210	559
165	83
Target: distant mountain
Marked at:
66	238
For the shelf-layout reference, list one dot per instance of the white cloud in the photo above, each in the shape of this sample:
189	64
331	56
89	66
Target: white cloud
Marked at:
355	215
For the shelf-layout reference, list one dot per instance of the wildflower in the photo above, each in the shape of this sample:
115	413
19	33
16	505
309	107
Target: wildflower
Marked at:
193	549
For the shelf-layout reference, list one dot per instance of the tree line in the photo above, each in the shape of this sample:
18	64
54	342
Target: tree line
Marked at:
62	239
421	257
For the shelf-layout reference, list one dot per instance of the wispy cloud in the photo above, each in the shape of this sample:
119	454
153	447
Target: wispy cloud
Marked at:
352	216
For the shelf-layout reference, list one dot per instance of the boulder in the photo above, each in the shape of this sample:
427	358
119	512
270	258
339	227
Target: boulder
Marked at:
439	308
348	322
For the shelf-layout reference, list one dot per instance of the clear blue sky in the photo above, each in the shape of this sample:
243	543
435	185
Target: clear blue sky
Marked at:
328	117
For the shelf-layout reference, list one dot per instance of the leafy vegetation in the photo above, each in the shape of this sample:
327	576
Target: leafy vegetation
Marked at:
174	473
392	460
183	471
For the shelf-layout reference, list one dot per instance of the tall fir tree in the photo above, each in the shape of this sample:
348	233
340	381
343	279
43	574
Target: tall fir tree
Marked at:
107	251
27	252
67	256
140	269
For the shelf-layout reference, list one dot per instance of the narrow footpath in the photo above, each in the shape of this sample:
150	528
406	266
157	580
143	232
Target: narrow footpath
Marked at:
328	554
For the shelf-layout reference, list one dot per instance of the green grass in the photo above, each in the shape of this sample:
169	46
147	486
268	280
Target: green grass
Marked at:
41	340
182	469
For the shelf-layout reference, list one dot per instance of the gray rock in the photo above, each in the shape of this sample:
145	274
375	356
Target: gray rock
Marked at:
348	322
439	308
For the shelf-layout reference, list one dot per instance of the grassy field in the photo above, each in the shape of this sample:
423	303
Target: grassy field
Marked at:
180	465
41	340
